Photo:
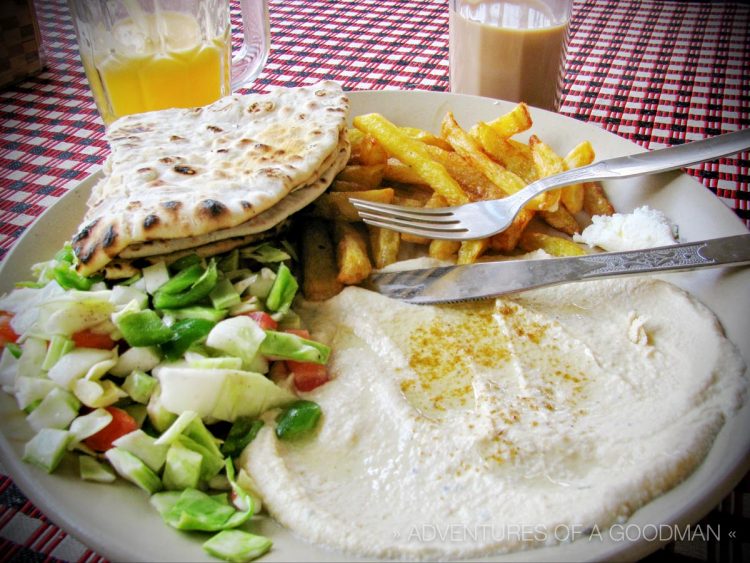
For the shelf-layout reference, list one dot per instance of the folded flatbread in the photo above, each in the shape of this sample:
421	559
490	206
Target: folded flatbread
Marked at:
211	178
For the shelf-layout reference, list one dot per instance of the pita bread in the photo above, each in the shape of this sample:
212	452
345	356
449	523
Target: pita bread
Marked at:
185	173
126	268
266	225
290	204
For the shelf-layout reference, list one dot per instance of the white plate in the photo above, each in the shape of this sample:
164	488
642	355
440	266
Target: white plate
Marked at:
117	521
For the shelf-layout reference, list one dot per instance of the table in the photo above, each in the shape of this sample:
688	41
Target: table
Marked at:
657	73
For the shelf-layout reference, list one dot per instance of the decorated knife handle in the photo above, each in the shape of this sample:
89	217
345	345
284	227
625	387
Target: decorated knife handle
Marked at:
727	250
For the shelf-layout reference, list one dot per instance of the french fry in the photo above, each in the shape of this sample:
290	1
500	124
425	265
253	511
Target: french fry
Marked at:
406	237
336	205
346	186
426	137
355	137
595	201
384	244
397	171
371	152
572	197
515	121
467	147
351	254
556	246
562	220
409	200
436	200
471	180
548	163
427	170
523	148
443	249
414	239
319	269
471	250
507	240
365	149
581	155
501	150
412	153
365	175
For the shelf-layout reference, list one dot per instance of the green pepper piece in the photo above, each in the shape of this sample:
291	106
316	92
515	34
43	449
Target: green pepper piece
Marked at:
297	420
185	262
68	278
144	328
283	290
14	349
184	333
168	297
288	346
183	279
65	254
243	431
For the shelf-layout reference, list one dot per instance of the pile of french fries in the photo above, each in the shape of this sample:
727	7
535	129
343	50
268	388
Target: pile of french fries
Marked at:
412	167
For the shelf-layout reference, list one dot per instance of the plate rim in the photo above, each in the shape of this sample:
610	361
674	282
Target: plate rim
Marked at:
27	481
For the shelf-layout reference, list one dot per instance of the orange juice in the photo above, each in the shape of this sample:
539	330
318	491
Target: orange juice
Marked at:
157	62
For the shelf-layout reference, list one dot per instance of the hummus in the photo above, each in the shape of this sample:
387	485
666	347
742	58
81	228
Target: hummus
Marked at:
464	430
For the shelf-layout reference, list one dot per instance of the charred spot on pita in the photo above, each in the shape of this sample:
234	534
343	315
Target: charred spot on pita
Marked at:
150	221
271	172
257	107
110	236
85	257
85	232
171	205
212	208
186	170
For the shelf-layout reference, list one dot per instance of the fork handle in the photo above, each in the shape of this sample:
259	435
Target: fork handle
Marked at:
661	160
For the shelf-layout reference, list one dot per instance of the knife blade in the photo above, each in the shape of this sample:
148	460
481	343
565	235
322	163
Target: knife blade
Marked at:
445	284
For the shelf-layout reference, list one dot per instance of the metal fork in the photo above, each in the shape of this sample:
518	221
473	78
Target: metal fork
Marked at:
485	218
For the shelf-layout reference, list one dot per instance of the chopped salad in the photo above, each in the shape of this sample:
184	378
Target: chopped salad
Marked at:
161	379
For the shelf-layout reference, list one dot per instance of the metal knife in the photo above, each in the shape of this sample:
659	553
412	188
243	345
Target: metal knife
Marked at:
488	279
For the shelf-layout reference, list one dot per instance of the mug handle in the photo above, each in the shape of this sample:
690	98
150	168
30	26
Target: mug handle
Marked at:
250	59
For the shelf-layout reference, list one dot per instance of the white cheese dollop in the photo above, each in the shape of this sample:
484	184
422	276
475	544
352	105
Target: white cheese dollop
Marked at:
643	228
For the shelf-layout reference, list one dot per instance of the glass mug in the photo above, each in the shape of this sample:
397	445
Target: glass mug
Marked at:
509	49
145	55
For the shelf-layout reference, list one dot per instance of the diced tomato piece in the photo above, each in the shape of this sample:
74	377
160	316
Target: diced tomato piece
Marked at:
264	320
301	332
89	339
122	423
7	334
307	375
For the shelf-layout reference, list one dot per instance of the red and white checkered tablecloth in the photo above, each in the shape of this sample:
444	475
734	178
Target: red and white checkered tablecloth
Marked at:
656	72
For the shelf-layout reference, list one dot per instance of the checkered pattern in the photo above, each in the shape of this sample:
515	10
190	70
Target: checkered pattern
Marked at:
658	73
662	73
